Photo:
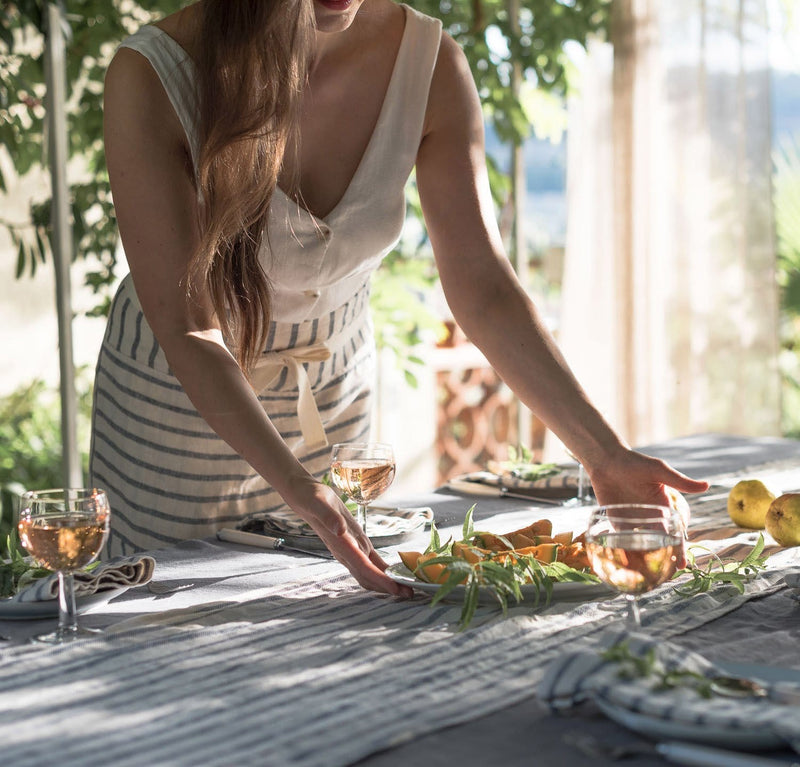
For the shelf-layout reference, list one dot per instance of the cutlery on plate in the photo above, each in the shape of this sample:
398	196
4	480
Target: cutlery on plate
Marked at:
742	687
695	755
267	542
496	491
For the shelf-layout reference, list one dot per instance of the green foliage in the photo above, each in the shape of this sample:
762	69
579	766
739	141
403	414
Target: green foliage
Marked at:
786	199
484	30
16	569
720	571
95	27
520	464
30	442
401	317
646	665
500	575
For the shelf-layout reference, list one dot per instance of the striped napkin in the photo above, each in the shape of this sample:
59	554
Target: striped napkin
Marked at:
383	521
117	573
586	675
562	485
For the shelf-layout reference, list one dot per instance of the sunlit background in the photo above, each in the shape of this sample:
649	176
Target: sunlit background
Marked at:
659	235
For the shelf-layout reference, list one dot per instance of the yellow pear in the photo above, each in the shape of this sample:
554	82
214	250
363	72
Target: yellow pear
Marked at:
748	503
783	519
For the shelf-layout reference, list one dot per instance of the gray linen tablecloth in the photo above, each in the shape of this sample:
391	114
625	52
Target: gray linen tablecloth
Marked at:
235	656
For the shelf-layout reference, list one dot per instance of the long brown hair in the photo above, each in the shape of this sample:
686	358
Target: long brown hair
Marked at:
252	63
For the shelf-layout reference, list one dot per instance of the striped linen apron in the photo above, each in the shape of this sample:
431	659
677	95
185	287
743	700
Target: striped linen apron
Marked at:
167	473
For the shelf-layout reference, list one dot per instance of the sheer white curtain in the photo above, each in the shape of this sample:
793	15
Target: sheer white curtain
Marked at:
669	307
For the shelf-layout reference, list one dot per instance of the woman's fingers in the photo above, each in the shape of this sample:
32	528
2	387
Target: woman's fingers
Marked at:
355	551
345	539
377	560
367	568
681	482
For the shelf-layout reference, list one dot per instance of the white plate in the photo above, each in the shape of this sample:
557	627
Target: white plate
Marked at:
660	729
315	543
24	611
562	592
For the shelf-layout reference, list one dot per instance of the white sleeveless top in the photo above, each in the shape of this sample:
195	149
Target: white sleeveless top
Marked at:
169	477
331	256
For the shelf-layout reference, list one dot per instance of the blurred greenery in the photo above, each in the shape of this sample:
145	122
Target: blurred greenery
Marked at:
786	199
30	441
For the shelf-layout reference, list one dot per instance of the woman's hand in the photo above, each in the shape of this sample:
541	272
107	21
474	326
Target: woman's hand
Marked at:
322	508
632	477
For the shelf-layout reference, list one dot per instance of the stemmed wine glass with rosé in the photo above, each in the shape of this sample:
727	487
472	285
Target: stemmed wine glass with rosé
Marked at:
634	548
64	530
363	471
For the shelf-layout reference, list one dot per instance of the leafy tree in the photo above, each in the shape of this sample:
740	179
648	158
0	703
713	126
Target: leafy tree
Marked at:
494	40
95	27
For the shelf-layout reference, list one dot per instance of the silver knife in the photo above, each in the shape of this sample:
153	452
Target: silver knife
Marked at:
695	755
267	542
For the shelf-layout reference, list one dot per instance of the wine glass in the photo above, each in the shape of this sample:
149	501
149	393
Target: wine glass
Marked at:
64	530
634	548
583	495
362	471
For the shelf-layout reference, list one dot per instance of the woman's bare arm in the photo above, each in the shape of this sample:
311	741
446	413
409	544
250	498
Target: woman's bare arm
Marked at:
492	307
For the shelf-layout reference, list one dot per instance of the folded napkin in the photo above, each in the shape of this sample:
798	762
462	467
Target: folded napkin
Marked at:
117	573
383	521
583	675
561	485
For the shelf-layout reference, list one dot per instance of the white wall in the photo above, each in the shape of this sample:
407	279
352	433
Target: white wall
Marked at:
28	323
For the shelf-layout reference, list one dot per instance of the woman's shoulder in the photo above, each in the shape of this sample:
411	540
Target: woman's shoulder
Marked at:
155	58
181	26
452	94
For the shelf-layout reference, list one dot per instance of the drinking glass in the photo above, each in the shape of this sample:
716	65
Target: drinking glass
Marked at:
64	530
583	495
362	471
634	548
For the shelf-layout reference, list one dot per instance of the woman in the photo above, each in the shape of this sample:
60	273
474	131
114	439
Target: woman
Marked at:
258	151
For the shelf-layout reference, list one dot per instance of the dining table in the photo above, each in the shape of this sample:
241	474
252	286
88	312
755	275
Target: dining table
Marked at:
238	655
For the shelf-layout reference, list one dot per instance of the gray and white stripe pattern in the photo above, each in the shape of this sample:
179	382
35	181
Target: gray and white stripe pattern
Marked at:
579	676
311	674
168	475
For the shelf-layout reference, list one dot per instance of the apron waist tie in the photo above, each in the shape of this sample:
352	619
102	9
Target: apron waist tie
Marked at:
268	367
